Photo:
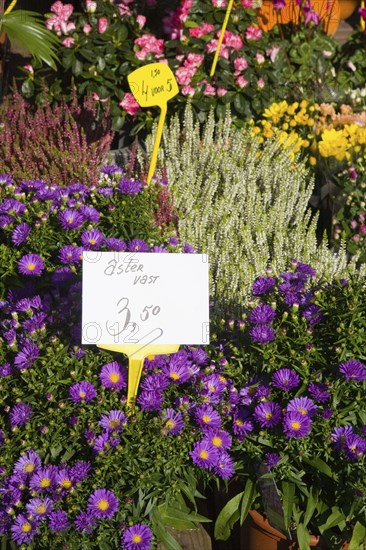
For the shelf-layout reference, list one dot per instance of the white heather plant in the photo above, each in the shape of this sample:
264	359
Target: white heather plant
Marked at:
243	203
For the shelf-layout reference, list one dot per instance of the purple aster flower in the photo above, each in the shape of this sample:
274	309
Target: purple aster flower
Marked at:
70	254
25	358
219	438
319	392
225	466
82	392
159	250
89	213
261	392
313	314
2	438
113	375
32	325
292	298
296	425
302	405
213	387
43	479
155	382
5	522
31	264
62	276
129	187
176	372
339	436
80	471
39	507
102	443
85	522
262	285
137	537
293	282
5	220
20	234
116	244
6	181
13	207
93	238
355	447
267	414
207	417
271	460
5	370
63	480
173	422
285	379
58	521
20	414
150	400
28	463
353	370
173	241
23	530
262	315
114	421
198	356
105	191
103	504
71	219
138	245
204	454
327	414
242	423
263	334
188	249
305	268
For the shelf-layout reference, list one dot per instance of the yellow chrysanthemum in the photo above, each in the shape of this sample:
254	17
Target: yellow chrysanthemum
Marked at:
276	111
333	144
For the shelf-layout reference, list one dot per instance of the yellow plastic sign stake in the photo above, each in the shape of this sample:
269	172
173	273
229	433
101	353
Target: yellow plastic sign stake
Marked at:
136	354
363	23
153	86
222	34
9	8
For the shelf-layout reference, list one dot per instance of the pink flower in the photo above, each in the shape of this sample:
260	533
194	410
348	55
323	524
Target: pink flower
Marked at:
232	40
240	64
149	44
29	68
260	83
219	3
194	59
353	224
253	33
59	21
221	92
356	237
209	90
102	25
242	82
246	3
188	91
129	104
141	20
184	74
363	229
259	58
212	47
197	32
87	28
123	9
273	52
310	14
96	97
68	42
91	6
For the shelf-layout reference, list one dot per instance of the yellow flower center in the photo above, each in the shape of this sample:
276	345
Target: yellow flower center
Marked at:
174	375
66	483
26	527
70	220
295	425
268	415
211	387
41	509
302	410
239	422
137	539
150	358
206	418
82	394
222	379
217	441
137	248
45	482
114	377
113	424
92	241
170	424
29	468
103	504
31	267
203	454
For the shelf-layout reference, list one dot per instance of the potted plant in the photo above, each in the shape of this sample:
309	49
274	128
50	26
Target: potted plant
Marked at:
298	365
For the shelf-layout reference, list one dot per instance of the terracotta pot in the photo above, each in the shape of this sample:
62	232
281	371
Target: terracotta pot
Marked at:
329	12
347	7
260	535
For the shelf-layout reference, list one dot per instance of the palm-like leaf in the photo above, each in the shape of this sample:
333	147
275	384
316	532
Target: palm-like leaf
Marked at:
28	29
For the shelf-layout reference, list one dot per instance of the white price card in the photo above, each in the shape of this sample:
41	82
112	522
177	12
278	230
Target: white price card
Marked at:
145	298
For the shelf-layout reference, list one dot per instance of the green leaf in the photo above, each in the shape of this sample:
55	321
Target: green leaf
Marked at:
169	541
303	537
335	518
311	505
320	465
227	517
288	491
358	537
247	501
30	33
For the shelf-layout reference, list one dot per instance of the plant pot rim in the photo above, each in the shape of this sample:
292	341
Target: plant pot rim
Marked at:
264	524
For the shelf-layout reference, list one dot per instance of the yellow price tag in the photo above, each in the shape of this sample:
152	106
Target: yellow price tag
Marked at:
153	86
136	354
222	34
